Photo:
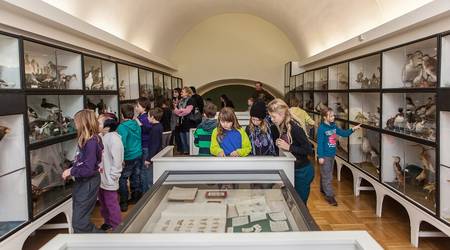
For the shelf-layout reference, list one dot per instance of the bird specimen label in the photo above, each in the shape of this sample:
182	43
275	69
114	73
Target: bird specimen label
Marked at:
216	194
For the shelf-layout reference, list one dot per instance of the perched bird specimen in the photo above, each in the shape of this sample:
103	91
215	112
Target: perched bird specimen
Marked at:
50	107
398	171
4	131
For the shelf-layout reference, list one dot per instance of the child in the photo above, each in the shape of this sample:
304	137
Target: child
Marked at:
202	135
326	151
130	132
141	107
300	115
229	138
112	167
85	169
292	138
260	131
250	102
155	143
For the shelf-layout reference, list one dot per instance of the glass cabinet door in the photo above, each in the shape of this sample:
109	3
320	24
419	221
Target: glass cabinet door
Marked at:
9	63
224	202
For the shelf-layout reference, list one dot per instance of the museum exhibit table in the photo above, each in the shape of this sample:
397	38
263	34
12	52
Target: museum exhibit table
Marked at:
165	160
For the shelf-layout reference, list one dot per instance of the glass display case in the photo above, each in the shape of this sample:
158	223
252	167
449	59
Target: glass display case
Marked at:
299	82
321	79
99	74
47	165
308	100
365	72
167	87
410	168
338	76
445	61
50	116
308	80
445	192
339	103
220	202
158	85
287	73
146	83
413	114
411	66
365	108
9	63
103	104
50	68
365	149
445	165
342	142
320	101
128	82
14	208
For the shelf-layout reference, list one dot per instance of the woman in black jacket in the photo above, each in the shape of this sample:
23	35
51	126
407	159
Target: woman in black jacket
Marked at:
292	138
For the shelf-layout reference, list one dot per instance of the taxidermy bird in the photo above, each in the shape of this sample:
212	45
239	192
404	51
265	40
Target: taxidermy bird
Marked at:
374	81
320	107
361	118
410	70
89	80
90	105
50	107
419	127
410	104
32	115
4	131
366	147
429	66
399	120
101	106
65	79
398	171
340	109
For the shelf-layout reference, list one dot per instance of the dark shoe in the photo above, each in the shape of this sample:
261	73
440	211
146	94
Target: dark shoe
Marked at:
134	198
106	227
123	207
331	200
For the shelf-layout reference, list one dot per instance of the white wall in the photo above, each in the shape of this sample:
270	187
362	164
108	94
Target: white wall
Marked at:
233	46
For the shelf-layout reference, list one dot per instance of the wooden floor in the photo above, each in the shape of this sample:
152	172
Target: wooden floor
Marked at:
353	213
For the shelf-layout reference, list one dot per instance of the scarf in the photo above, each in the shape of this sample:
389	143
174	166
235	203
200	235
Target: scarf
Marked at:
262	143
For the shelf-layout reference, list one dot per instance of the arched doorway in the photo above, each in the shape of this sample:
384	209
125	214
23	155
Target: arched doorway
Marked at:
238	90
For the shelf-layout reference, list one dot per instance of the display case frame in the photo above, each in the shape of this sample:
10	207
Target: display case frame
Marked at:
18	82
127	225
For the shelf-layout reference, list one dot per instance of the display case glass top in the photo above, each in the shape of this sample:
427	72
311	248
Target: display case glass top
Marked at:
51	68
219	202
9	63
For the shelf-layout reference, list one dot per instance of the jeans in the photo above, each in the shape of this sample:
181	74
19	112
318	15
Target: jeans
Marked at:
132	170
84	197
326	176
109	207
303	178
184	136
146	172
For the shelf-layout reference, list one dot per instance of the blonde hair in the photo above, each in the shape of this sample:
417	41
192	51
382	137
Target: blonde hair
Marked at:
264	126
279	106
188	91
87	125
226	115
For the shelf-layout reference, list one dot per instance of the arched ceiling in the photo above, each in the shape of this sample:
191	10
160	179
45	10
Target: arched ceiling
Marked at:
311	25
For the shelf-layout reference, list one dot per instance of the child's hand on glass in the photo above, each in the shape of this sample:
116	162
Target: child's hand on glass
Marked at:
147	163
356	127
66	173
321	161
234	154
282	144
221	154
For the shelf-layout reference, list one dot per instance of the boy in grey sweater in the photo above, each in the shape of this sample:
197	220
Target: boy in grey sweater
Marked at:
112	160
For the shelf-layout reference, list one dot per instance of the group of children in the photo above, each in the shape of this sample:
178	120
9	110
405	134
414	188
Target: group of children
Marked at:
272	128
109	155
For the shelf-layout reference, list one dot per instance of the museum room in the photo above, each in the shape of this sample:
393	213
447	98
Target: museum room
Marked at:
224	124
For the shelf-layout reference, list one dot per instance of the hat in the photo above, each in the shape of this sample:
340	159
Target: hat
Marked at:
258	110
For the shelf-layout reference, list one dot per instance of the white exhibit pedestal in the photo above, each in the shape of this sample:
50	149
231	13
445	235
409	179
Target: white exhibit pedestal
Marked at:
165	161
17	240
338	240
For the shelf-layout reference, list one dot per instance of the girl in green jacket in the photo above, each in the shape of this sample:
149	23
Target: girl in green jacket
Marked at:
229	138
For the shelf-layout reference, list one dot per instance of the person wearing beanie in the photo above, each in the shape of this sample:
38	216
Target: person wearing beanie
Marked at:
261	131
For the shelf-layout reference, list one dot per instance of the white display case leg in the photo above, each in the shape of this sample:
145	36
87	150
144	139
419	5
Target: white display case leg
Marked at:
415	230
380	198
356	183
339	165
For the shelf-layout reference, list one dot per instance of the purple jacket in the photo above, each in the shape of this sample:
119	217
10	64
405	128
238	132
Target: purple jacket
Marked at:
87	160
145	128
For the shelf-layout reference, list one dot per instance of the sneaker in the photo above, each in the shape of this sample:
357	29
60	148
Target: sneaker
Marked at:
331	200
123	207
105	227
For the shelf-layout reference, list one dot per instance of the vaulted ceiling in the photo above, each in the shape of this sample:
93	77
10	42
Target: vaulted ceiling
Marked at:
311	25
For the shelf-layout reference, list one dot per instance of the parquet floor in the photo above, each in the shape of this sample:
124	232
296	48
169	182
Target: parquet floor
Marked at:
353	213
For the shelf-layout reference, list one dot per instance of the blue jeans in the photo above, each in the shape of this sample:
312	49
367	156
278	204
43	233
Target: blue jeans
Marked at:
303	178
184	136
131	170
146	173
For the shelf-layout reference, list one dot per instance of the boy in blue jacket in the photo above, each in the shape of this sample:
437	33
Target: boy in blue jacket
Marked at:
326	151
130	132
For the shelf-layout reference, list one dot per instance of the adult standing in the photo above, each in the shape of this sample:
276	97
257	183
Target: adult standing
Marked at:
186	110
226	102
260	94
198	100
